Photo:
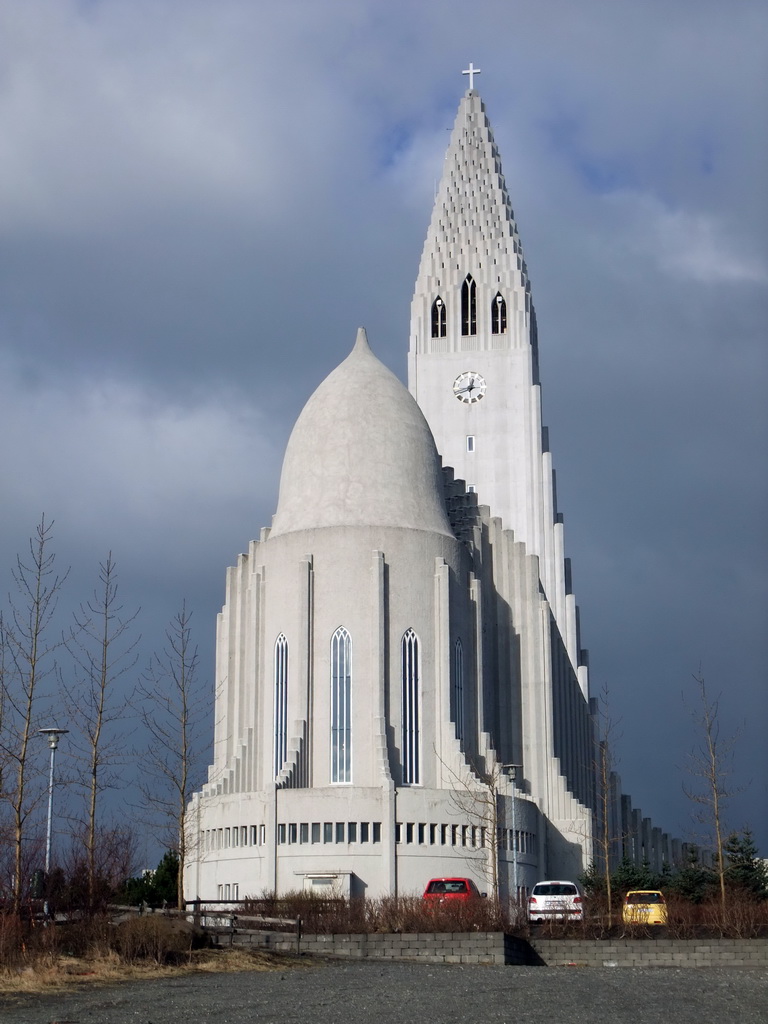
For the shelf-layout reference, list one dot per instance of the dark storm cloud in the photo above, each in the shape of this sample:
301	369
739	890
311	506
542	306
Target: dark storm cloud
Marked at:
201	202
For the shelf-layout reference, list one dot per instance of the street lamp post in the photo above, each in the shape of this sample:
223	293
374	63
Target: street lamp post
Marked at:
52	735
512	774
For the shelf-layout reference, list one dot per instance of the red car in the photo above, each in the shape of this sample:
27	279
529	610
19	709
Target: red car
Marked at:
441	889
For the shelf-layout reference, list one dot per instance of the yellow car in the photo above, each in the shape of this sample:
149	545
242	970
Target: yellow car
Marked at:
644	906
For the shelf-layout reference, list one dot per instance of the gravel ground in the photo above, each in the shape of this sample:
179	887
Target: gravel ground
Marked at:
333	992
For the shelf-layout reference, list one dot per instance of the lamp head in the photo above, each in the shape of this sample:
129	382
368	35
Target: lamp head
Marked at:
53	735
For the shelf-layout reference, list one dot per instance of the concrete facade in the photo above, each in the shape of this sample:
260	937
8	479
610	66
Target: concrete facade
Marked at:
404	633
389	559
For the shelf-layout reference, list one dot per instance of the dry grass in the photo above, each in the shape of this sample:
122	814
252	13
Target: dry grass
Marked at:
66	971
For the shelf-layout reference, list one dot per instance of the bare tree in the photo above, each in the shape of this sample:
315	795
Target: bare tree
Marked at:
174	710
27	662
116	860
476	795
607	837
103	652
711	763
3	754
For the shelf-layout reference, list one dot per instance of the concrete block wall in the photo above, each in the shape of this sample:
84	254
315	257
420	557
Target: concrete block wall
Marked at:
652	952
431	947
500	949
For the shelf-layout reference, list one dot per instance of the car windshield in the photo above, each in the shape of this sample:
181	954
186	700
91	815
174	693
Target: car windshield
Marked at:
644	897
447	887
554	889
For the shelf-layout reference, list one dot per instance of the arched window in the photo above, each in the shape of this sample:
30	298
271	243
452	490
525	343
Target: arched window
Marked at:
411	710
458	689
341	706
469	306
499	315
281	703
438	318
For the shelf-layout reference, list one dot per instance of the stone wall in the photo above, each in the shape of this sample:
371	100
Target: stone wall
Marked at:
653	952
429	947
498	948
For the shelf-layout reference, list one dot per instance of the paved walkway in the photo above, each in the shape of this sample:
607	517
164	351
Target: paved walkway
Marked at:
376	993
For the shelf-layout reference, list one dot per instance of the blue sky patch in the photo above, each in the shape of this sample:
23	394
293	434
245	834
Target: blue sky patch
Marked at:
599	173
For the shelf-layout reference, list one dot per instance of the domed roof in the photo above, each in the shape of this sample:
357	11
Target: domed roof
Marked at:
361	454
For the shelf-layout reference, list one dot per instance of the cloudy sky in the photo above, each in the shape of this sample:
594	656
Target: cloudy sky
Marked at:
201	200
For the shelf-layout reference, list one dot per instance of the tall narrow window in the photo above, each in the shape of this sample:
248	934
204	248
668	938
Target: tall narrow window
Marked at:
281	703
499	315
438	318
341	711
458	689
469	306
411	710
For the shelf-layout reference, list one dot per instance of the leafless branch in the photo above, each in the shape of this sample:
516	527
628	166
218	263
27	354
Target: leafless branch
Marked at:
27	662
710	763
174	710
103	653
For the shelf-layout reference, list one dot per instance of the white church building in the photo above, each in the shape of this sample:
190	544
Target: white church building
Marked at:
400	687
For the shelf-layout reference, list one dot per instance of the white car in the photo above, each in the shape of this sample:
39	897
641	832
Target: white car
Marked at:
555	900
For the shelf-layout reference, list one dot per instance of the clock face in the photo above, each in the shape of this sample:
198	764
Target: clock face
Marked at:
469	386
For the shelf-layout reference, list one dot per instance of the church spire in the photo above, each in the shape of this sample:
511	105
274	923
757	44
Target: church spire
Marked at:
472	363
473	244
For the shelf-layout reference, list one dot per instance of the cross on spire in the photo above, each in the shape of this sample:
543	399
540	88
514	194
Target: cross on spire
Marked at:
471	71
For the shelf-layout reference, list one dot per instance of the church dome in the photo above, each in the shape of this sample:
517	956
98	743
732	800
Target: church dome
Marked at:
361	454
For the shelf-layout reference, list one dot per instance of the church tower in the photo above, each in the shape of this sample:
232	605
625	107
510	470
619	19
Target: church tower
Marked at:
472	364
402	636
